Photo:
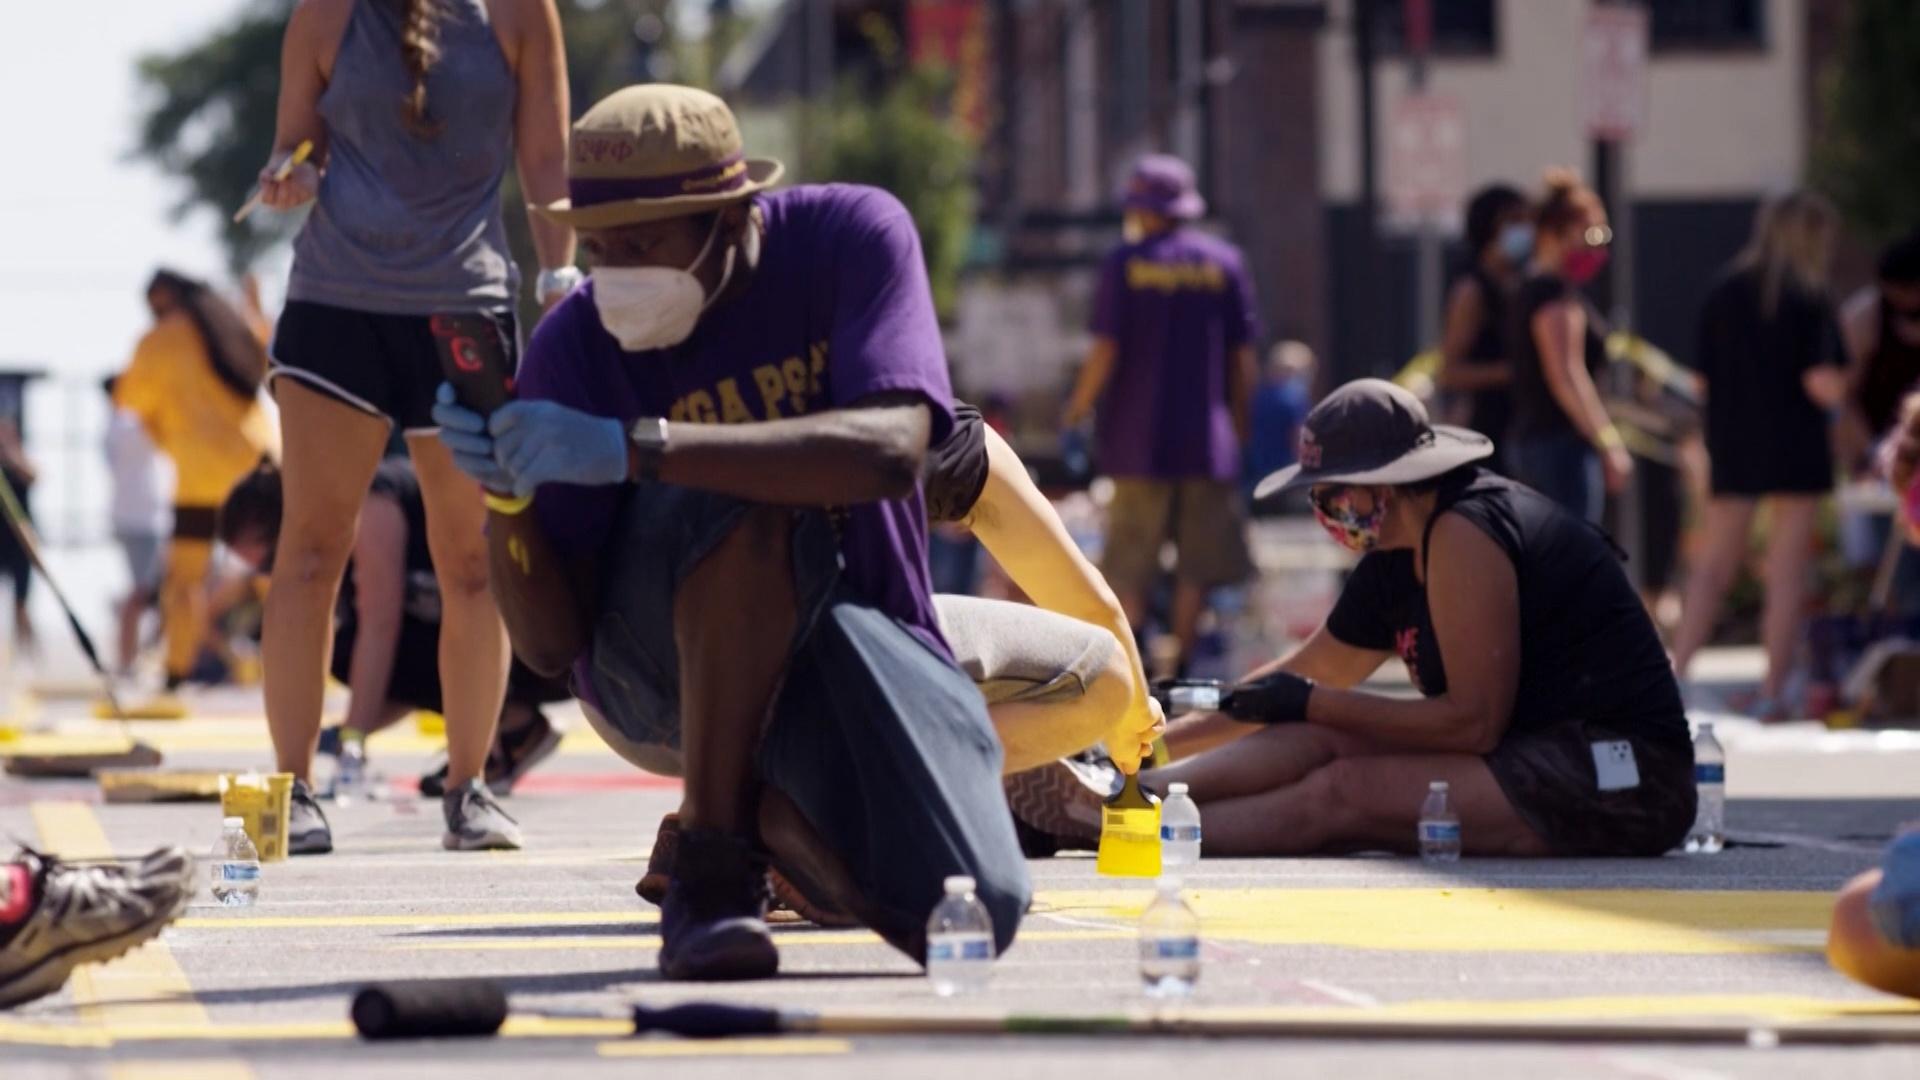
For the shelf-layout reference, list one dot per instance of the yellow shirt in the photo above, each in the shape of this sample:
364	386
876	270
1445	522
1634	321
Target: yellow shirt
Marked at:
213	437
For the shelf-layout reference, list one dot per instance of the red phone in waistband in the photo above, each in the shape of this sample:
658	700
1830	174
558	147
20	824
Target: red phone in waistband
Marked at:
473	357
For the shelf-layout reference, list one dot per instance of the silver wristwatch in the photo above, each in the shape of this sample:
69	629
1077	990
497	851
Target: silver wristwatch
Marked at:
555	282
648	436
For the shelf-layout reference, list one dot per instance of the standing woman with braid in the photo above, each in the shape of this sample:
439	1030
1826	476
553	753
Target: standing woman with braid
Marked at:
415	109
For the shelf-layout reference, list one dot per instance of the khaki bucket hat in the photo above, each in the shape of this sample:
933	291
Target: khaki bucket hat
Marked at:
652	152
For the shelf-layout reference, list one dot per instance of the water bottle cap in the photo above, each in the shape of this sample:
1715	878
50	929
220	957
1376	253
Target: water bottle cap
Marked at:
233	823
1437	785
1176	789
959	884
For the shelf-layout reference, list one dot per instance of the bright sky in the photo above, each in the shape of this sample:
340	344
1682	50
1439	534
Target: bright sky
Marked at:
82	228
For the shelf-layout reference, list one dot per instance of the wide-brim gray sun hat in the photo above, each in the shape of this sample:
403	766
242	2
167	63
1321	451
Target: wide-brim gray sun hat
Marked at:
1371	432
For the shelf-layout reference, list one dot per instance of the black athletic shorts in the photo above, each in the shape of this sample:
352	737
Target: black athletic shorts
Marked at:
386	365
1550	777
415	680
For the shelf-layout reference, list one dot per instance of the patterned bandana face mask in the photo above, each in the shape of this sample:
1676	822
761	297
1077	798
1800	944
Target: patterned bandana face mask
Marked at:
1351	529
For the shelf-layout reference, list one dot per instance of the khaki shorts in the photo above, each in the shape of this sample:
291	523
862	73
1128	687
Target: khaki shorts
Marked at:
1206	520
1020	653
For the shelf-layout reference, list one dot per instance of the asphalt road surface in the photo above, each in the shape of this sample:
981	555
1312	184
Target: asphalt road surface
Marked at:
263	991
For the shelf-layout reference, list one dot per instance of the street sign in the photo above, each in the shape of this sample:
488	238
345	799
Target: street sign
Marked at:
1614	71
1426	166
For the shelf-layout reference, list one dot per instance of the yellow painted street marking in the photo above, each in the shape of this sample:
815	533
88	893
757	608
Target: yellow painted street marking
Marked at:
652	941
69	830
1498	920
561	1027
1737	1010
503	918
1424	919
179	736
180	1070
146	985
652	1048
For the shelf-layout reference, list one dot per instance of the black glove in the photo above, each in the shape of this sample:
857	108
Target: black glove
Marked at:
1277	698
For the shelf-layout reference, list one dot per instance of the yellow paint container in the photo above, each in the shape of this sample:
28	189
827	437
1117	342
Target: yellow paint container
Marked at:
1130	834
263	803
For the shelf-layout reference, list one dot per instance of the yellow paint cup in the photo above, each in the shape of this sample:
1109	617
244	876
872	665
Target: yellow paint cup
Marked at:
1130	834
263	803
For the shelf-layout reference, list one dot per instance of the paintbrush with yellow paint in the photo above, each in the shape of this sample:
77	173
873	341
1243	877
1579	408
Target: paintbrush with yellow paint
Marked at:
1130	833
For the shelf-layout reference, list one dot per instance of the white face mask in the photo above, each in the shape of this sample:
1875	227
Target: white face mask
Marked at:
655	307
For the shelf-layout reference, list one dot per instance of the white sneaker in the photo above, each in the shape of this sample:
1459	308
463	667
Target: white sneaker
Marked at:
475	821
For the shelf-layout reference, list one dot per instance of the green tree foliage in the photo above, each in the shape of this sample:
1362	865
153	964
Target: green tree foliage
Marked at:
901	140
1869	158
209	115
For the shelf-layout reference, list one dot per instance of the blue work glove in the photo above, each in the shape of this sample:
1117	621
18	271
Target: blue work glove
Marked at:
540	442
1895	902
464	432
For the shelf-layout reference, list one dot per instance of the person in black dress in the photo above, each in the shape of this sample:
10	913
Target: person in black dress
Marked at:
1769	355
1473	343
1547	703
1561	442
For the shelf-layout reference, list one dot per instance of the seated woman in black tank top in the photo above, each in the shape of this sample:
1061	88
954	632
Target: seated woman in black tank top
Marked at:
1548	704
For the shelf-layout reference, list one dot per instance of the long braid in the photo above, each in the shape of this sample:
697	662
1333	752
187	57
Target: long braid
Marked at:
420	42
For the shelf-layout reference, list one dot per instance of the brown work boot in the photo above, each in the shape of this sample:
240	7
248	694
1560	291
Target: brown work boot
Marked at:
652	885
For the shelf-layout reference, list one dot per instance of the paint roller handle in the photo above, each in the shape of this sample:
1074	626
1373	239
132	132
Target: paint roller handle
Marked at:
711	1020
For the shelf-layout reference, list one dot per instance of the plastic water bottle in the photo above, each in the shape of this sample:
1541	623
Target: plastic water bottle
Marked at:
1169	944
1439	826
235	866
1708	834
1179	829
350	775
959	941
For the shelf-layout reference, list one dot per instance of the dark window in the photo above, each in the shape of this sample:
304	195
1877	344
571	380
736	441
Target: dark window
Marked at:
1460	27
1707	24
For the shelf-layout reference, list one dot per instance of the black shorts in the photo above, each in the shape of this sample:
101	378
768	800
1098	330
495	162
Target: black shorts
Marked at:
1548	775
415	680
386	365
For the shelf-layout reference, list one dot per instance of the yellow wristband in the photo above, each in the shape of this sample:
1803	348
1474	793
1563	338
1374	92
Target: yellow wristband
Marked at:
508	504
1609	438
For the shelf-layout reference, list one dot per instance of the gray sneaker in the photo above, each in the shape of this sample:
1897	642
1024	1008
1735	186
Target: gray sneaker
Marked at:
307	830
475	821
88	914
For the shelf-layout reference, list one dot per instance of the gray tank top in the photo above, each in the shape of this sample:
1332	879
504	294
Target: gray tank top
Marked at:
406	225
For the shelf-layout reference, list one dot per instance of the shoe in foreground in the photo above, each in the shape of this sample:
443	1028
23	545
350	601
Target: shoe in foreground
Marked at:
89	913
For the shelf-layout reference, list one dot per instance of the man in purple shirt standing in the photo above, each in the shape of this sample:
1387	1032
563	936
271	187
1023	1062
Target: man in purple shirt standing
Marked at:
706	501
1171	370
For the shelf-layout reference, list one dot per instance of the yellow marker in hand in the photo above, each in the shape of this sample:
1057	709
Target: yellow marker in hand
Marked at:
294	161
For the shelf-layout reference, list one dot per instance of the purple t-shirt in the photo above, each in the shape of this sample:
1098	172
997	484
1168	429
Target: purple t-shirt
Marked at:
1176	306
839	309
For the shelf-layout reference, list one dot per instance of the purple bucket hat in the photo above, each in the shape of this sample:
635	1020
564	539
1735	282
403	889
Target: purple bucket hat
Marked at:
1163	184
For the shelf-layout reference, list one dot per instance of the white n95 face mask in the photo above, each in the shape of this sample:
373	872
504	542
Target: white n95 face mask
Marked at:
654	307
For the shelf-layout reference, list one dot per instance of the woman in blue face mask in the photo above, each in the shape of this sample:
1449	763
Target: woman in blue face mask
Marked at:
1473	343
1546	702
